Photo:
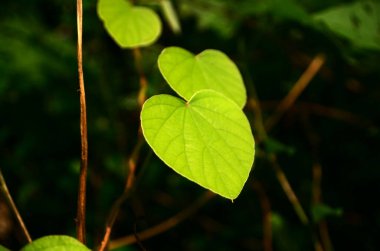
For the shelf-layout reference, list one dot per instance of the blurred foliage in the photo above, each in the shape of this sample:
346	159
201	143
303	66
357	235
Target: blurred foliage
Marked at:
335	122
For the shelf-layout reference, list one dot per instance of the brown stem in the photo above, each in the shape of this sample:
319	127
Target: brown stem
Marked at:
12	206
325	111
316	184
283	180
280	174
296	91
129	185
81	210
267	216
163	226
141	97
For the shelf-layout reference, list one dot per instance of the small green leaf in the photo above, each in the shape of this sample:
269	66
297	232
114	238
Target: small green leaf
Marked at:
274	146
321	211
55	243
211	69
128	25
207	139
171	16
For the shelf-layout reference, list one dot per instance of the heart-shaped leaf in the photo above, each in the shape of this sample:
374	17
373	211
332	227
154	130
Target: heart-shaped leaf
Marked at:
211	69
55	243
207	139
128	25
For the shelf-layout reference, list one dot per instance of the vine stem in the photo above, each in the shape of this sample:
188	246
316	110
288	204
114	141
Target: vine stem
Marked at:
129	186
12	205
317	182
267	215
287	188
141	97
81	210
296	90
132	160
165	225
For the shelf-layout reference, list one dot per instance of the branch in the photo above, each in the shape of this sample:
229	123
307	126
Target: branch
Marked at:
81	210
130	184
283	180
296	91
141	97
12	205
267	215
165	225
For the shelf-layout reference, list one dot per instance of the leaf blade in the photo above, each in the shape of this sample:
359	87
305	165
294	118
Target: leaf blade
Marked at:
211	69
208	140
128	25
55	243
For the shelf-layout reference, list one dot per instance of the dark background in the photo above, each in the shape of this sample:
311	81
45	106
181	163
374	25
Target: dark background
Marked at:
334	123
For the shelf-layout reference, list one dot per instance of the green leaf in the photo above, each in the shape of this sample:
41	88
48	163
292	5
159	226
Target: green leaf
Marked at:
2	248
357	22
274	146
171	16
55	243
207	139
128	25
211	69
321	211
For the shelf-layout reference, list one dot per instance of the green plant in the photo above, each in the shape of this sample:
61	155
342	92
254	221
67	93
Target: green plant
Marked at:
206	137
200	130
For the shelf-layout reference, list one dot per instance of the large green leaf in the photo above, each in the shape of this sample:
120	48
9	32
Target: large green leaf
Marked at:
55	243
207	139
211	69
358	22
2	248
128	25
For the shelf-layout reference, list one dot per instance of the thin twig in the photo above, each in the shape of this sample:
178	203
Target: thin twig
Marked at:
129	186
132	160
81	210
313	138
12	205
164	226
267	216
280	174
141	97
296	91
325	111
317	199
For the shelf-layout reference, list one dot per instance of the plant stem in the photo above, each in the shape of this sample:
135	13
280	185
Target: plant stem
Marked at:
316	183
296	91
163	226
12	205
267	215
283	180
141	97
129	186
81	210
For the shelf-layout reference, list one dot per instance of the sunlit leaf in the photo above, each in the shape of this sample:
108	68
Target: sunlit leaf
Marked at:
55	243
211	69
207	139
128	25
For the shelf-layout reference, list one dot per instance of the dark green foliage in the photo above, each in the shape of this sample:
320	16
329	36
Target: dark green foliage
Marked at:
335	122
